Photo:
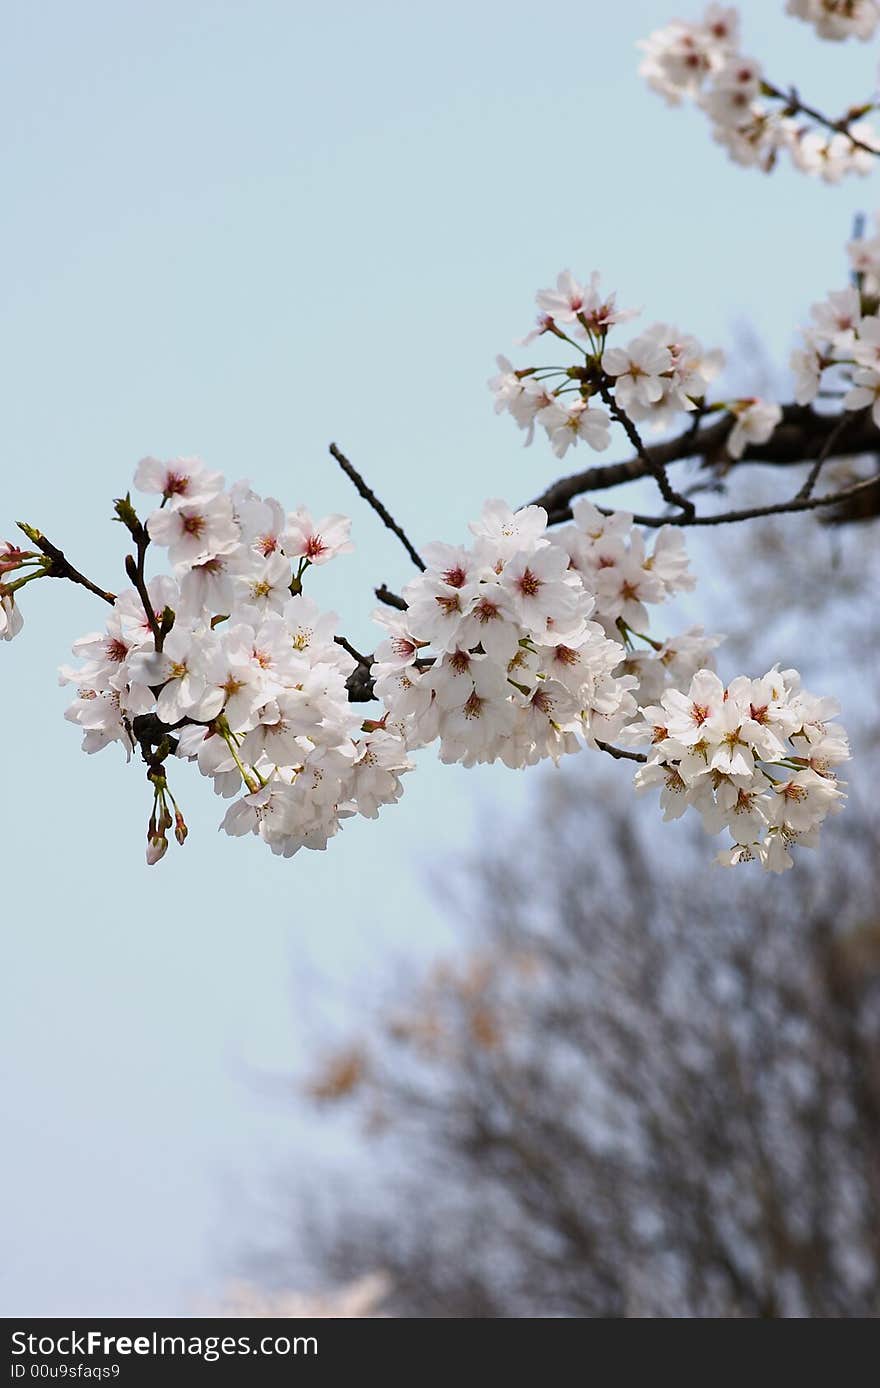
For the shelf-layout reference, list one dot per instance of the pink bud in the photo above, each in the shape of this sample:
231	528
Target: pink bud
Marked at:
156	848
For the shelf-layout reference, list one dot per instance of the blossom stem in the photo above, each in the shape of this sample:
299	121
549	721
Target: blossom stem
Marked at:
20	582
60	566
794	106
252	779
135	566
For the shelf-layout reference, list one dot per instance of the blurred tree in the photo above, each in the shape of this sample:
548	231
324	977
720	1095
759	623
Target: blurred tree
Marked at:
653	1089
632	1102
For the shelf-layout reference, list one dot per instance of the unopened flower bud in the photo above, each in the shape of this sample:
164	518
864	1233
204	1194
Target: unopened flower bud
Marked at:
157	847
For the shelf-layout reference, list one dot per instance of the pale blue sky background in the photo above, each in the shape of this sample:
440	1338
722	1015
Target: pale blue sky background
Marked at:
241	230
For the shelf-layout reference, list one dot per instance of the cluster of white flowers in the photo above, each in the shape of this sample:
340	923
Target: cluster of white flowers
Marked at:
658	376
495	655
838	19
239	666
750	118
756	759
610	556
841	351
524	645
521	646
661	374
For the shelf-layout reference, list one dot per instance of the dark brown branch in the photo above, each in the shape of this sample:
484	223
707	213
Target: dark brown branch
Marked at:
649	461
779	508
135	568
822	457
384	594
800	435
706	443
356	655
371	498
360	684
60	566
620	753
795	107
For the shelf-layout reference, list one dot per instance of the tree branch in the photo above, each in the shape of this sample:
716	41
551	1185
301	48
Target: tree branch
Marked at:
371	498
619	753
135	569
61	567
779	508
800	435
384	594
650	462
794	107
823	455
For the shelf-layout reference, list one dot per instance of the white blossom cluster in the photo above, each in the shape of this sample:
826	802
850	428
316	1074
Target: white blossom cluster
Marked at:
525	645
519	647
248	678
838	19
658	376
756	759
610	556
841	351
496	655
702	61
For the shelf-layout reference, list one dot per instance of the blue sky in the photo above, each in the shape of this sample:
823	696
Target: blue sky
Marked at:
243	231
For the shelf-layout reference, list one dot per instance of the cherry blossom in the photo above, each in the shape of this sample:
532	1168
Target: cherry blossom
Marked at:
838	19
660	374
241	672
318	541
736	755
182	481
755	422
754	121
520	672
527	643
11	620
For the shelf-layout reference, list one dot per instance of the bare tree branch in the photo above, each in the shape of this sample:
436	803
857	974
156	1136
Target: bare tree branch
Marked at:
371	498
651	463
795	107
384	594
800	436
824	454
779	508
620	753
61	566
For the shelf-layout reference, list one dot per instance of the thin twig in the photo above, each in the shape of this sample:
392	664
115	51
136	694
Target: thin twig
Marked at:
61	567
779	508
822	457
796	438
619	753
656	468
135	570
384	594
795	107
382	512
356	655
